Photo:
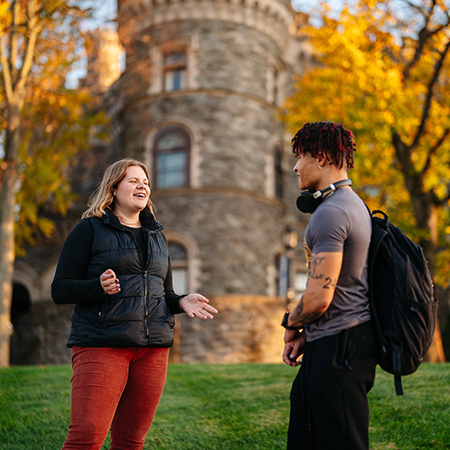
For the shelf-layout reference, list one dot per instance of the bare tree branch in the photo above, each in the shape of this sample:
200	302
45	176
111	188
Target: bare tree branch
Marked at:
435	148
430	92
33	30
6	72
441	201
423	37
13	44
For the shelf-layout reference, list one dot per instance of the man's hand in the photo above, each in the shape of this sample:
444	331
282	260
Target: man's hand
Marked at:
294	347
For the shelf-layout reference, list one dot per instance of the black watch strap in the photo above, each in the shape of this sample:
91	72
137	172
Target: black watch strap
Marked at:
284	323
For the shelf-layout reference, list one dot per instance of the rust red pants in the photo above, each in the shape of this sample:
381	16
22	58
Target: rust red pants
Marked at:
117	389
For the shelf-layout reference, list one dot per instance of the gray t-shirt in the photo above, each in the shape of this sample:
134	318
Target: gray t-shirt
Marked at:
341	223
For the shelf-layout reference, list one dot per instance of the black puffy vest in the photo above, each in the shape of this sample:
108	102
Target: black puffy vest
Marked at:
138	315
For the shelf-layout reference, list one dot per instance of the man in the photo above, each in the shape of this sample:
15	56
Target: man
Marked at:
330	325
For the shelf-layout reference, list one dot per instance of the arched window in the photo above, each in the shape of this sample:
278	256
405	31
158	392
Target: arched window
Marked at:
179	261
171	153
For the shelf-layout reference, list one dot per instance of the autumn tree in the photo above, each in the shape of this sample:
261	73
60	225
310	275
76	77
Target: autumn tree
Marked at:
43	126
382	69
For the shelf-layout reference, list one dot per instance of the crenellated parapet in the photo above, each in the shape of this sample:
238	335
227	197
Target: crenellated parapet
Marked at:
272	17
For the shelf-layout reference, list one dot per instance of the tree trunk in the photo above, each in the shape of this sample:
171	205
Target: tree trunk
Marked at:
436	350
425	215
10	179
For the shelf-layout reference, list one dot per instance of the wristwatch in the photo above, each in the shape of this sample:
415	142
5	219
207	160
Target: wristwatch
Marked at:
284	323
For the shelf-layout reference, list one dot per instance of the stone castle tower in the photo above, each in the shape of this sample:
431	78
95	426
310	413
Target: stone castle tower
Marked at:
197	102
200	92
201	86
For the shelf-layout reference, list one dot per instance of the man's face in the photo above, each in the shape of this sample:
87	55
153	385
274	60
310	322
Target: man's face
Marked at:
307	171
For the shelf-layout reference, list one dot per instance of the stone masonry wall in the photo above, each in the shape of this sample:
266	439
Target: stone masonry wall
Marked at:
247	329
236	236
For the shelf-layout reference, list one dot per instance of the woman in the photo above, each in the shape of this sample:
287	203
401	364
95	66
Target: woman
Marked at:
115	267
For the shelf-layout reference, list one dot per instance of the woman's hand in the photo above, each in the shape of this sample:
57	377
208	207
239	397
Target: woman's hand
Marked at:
195	305
294	347
109	282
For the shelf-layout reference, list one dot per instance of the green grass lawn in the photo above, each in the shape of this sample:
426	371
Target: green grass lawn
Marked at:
226	407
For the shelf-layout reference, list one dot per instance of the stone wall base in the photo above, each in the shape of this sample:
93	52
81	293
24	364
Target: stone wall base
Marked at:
247	329
40	335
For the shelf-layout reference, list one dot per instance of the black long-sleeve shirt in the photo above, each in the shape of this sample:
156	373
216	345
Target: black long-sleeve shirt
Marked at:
69	284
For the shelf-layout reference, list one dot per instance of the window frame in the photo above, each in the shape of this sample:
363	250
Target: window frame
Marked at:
180	264
156	153
175	67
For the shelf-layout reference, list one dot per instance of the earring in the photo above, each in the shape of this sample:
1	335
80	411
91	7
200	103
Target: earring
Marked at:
319	166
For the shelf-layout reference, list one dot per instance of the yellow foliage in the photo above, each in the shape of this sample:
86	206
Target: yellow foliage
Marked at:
4	12
56	123
368	78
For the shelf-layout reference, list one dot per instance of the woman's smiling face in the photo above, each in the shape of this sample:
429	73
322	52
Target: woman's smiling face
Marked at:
133	191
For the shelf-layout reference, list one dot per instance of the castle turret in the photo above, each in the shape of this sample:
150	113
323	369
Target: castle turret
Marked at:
201	87
207	77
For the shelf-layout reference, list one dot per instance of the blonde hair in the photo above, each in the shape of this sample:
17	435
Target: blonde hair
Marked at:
103	196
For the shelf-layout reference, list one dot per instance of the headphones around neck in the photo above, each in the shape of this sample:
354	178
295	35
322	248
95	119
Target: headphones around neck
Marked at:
308	200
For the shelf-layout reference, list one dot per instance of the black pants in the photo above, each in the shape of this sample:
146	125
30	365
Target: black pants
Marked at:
329	407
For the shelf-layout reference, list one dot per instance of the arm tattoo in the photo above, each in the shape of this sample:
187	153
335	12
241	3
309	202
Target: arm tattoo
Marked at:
315	269
297	312
308	318
329	283
297	315
316	274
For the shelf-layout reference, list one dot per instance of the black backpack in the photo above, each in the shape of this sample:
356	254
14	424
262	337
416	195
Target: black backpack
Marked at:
402	300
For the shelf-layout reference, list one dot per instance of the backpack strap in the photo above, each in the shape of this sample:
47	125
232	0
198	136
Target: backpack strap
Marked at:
397	378
385	216
379	232
398	384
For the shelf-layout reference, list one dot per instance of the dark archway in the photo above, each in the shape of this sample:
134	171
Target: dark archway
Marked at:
25	342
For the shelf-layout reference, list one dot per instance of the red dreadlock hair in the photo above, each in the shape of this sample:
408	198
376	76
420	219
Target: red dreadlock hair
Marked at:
329	139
